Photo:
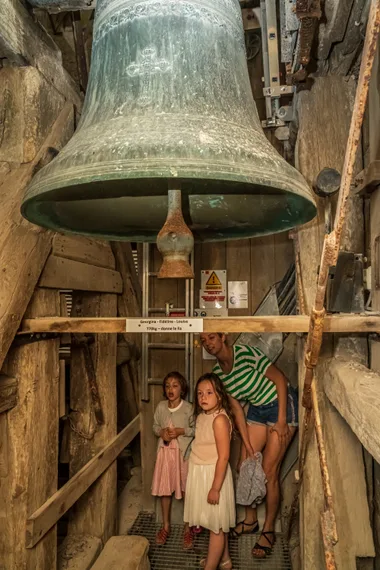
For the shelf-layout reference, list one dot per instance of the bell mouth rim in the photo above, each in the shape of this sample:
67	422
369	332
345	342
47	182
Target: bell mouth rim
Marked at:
217	174
47	194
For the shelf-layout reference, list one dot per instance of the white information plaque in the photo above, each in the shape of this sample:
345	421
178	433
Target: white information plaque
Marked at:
164	325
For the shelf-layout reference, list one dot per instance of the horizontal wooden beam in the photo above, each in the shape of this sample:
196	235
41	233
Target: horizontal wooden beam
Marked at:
83	249
290	324
24	42
62	273
42	520
354	390
369	179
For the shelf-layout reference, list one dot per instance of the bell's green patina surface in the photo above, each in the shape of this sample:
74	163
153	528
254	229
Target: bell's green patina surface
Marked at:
169	97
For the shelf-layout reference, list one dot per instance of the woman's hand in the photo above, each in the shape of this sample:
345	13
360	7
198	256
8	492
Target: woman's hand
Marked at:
250	452
283	432
213	497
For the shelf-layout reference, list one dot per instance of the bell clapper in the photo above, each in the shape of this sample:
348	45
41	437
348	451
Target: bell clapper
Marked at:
175	241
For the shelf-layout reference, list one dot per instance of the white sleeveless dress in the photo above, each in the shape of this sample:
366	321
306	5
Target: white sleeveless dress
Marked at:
203	458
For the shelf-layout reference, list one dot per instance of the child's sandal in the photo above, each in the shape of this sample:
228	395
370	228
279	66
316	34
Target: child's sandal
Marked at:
265	550
188	540
222	566
226	565
162	536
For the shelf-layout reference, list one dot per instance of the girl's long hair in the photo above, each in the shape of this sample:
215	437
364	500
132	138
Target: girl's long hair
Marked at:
220	392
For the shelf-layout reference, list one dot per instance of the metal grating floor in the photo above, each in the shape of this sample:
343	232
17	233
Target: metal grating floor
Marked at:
173	557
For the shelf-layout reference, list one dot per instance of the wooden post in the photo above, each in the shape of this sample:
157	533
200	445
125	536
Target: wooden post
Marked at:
30	477
23	247
374	154
95	512
344	452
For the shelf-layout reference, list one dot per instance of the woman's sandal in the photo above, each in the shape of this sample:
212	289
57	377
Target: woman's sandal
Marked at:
162	536
188	540
222	566
255	527
265	550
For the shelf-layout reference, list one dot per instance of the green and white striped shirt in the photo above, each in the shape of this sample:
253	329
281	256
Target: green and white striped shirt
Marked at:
247	380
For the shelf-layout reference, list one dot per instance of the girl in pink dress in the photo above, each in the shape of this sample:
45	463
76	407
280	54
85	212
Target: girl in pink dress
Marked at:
174	425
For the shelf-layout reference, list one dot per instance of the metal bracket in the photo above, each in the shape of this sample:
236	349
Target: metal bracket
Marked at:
23	339
345	288
272	90
278	90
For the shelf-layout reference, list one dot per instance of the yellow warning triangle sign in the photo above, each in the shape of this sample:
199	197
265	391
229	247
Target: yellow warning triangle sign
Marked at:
213	282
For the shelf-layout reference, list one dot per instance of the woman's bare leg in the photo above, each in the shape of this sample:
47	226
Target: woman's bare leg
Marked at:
272	458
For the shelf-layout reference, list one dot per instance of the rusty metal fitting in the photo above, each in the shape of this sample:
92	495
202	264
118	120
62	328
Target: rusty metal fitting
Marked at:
175	241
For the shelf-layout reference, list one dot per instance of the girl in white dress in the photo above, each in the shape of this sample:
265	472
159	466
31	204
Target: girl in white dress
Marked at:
210	500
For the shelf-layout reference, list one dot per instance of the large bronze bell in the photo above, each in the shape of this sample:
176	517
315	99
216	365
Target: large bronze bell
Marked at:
169	101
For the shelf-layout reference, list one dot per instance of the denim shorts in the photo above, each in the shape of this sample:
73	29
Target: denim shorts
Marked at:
267	415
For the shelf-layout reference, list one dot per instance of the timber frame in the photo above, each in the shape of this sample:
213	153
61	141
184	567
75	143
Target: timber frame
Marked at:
103	273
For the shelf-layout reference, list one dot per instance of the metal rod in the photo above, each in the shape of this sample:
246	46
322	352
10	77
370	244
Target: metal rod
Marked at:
191	363
167	345
163	309
145	313
155	381
187	335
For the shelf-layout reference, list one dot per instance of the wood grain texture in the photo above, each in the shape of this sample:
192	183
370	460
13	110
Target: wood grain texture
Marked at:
24	247
95	512
287	323
32	443
61	273
24	42
47	514
83	249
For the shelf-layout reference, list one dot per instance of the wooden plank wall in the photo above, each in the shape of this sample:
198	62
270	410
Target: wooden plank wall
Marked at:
260	261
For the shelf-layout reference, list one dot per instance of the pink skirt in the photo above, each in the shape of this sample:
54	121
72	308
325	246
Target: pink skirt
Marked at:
170	472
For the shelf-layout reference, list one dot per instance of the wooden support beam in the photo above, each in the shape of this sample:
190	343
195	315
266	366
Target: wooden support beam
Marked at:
39	523
354	390
24	247
83	249
318	121
288	323
344	454
129	302
32	443
251	18
8	392
93	420
369	179
60	273
23	90
24	42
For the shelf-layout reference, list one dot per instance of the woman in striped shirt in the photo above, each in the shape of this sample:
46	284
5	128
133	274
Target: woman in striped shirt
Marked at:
272	419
